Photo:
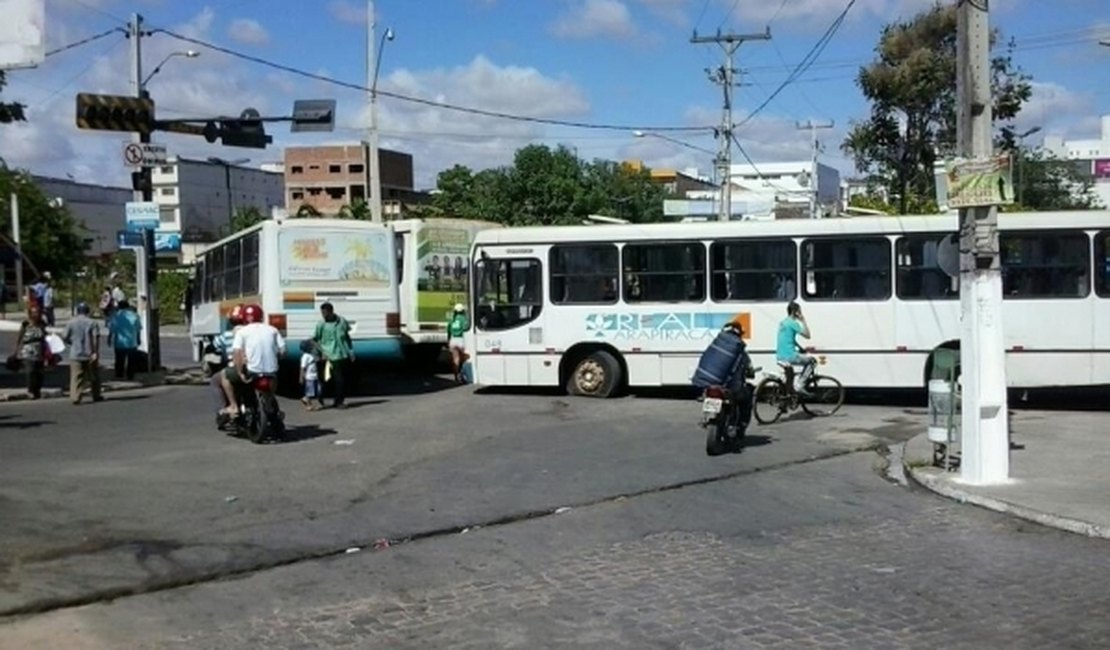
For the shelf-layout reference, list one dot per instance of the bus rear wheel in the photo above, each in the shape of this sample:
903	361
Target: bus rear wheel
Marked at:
595	375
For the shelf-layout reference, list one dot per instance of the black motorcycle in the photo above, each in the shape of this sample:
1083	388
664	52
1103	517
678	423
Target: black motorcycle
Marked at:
260	418
726	413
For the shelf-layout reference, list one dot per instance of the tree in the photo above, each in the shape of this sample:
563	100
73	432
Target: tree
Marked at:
912	89
1045	182
547	186
246	217
306	210
358	209
49	236
10	111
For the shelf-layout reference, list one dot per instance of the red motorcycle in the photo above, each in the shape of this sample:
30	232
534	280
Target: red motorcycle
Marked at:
260	418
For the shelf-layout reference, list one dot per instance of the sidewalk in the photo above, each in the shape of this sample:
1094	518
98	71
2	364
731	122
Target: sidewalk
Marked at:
1061	478
11	322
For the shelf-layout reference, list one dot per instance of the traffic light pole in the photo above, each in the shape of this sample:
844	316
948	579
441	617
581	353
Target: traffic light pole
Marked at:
146	264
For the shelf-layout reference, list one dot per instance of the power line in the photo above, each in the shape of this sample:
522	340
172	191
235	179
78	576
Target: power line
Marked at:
428	102
807	61
84	41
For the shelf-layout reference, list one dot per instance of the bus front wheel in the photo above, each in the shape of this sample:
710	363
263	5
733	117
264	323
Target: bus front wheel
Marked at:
595	375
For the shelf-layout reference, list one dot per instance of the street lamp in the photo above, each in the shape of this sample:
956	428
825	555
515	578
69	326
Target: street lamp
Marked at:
648	134
189	54
228	164
1021	160
375	189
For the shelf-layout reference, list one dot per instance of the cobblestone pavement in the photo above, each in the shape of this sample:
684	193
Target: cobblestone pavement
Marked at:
846	560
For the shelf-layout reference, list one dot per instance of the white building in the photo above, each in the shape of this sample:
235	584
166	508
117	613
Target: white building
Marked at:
199	197
1092	155
766	191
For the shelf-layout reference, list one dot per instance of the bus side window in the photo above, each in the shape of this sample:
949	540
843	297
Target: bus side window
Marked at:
1045	264
1102	263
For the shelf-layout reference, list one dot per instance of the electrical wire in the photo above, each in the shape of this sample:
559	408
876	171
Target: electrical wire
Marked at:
755	168
807	61
84	41
92	61
427	102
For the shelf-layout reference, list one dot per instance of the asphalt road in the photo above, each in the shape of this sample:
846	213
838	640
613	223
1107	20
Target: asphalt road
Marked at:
511	521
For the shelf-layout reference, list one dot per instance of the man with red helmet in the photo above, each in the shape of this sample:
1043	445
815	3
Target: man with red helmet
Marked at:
255	350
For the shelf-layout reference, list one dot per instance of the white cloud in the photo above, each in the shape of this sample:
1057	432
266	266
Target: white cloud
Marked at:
672	11
249	31
1058	110
594	19
346	11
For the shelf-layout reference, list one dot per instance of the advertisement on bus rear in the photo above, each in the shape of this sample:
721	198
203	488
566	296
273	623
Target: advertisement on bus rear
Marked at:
339	259
443	271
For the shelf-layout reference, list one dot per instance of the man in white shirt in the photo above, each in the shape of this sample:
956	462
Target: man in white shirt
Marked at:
255	350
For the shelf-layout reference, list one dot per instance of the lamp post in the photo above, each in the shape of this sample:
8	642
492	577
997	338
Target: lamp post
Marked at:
373	67
1021	161
189	54
649	134
227	165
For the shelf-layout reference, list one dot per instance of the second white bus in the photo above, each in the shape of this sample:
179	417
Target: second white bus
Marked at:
596	308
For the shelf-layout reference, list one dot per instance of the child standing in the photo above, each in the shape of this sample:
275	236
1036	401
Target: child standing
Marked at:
310	377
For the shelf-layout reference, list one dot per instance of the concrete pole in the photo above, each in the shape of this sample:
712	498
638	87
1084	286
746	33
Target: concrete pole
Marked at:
18	249
142	283
813	127
372	163
985	445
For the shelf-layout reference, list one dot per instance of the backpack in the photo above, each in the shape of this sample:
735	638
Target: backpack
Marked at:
721	360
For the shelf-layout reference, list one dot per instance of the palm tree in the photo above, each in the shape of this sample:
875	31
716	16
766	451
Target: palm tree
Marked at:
358	209
307	210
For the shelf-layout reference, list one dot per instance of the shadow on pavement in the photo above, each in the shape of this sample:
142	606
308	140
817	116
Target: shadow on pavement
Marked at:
304	432
23	424
756	440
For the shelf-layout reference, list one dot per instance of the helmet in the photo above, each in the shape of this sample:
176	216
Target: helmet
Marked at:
737	322
235	316
460	308
253	314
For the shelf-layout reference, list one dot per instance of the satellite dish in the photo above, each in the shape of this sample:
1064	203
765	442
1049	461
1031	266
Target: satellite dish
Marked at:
948	255
803	179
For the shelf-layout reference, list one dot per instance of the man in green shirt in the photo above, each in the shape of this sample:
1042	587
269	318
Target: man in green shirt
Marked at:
456	328
333	335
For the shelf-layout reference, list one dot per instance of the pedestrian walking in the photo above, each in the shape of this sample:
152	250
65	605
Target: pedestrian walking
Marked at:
124	329
313	398
30	350
107	305
46	297
333	336
82	335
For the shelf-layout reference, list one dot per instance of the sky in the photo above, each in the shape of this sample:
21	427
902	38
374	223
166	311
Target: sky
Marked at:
625	64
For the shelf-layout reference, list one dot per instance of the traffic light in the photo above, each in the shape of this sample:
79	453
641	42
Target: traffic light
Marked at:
115	113
141	181
247	131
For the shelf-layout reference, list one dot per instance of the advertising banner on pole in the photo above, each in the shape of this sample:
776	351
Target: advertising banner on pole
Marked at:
975	183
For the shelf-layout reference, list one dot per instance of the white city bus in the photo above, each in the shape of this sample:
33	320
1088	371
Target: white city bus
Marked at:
290	268
433	275
596	308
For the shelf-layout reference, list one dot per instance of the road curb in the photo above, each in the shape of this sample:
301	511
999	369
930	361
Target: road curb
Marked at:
932	479
166	379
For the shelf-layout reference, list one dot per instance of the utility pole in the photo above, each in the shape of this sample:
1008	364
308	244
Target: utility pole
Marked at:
985	447
725	76
18	250
374	191
813	128
146	262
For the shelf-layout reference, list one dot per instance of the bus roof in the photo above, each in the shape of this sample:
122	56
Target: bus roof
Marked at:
1079	219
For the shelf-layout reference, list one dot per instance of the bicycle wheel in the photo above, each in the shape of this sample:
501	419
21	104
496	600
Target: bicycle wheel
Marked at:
769	400
825	396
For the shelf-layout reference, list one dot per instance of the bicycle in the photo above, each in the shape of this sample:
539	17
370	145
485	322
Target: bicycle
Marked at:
775	395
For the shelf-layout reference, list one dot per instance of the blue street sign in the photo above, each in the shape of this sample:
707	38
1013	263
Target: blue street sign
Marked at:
142	215
164	242
130	238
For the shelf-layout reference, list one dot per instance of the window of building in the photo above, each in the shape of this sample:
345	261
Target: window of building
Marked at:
250	264
1045	264
358	192
296	195
168	191
672	272
167	169
337	193
335	169
296	169
919	274
313	168
510	293
1102	263
754	270
315	191
846	269
356	168
584	273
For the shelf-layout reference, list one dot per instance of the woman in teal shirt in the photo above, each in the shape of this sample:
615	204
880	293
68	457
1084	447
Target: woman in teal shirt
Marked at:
456	328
